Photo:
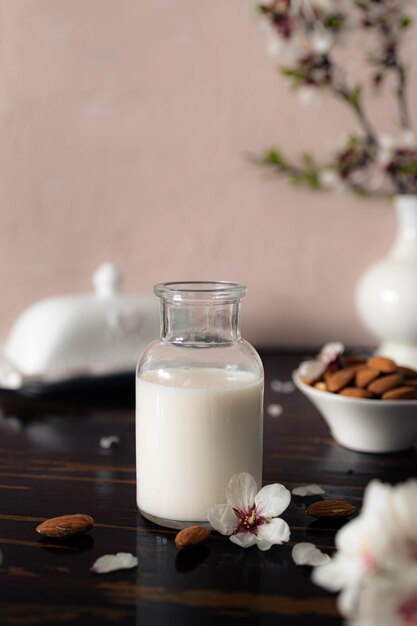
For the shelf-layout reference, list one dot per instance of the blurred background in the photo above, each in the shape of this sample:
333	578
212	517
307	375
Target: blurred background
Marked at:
125	133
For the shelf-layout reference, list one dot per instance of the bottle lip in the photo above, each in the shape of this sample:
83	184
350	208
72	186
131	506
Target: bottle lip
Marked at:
198	291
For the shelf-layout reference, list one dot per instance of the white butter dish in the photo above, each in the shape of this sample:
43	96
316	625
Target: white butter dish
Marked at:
93	334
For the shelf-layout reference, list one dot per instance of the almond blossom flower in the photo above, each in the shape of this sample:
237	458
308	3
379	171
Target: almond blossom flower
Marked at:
375	568
250	517
330	352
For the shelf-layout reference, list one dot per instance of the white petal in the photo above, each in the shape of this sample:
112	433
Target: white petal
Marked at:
108	442
307	554
282	386
310	370
272	500
241	491
330	351
276	532
244	540
338	573
308	490
222	518
274	410
113	562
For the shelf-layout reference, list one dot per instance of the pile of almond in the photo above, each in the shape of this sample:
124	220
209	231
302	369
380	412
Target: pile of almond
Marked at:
377	378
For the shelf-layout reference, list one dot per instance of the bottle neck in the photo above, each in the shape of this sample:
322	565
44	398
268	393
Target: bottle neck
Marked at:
200	324
405	243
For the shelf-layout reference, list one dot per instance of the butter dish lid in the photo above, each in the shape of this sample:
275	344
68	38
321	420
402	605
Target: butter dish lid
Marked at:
91	334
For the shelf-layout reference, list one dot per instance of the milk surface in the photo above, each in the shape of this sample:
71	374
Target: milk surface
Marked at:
195	428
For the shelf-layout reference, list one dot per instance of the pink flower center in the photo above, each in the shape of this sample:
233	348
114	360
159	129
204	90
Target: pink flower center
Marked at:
249	520
369	562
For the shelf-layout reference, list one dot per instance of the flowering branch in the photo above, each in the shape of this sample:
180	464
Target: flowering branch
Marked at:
303	35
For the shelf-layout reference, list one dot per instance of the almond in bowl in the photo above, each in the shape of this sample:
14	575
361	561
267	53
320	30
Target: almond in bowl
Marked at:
368	404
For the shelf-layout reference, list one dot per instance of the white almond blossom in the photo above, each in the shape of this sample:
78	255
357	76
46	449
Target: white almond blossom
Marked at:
375	568
331	351
250	517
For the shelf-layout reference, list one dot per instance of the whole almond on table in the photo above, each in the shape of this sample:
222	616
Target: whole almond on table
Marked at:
401	393
335	381
355	392
66	525
365	375
385	383
331	508
191	536
383	364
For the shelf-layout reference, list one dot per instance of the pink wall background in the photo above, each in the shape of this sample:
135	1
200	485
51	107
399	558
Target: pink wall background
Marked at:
124	127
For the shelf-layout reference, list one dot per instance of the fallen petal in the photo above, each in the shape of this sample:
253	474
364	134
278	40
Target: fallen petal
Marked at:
113	562
308	490
109	442
307	554
282	386
274	410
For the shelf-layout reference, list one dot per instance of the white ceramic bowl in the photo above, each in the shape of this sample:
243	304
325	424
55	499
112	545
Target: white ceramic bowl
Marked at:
365	425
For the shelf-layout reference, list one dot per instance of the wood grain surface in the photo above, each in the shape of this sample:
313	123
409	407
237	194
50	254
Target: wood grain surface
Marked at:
51	464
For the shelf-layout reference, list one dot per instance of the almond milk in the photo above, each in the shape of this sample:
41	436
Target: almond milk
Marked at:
195	428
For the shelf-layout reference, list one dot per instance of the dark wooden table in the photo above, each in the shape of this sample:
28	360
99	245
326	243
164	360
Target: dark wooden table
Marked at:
52	464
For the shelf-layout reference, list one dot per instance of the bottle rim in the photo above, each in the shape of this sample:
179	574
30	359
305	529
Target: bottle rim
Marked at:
197	291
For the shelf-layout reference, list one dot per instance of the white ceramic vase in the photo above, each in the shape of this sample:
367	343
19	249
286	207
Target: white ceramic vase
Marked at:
386	295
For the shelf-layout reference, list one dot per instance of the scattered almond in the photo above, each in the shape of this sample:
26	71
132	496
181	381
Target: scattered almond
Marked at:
191	536
365	375
401	393
385	383
407	371
355	392
382	364
66	525
335	381
331	508
410	382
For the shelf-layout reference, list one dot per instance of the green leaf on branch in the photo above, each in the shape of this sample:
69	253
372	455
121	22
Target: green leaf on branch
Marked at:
275	157
309	162
354	96
362	5
308	179
334	22
297	76
406	21
408	169
353	142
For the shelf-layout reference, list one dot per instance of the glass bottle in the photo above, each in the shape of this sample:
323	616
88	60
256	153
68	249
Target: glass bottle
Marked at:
199	404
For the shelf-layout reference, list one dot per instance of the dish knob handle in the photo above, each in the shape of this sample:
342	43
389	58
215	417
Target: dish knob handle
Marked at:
107	280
